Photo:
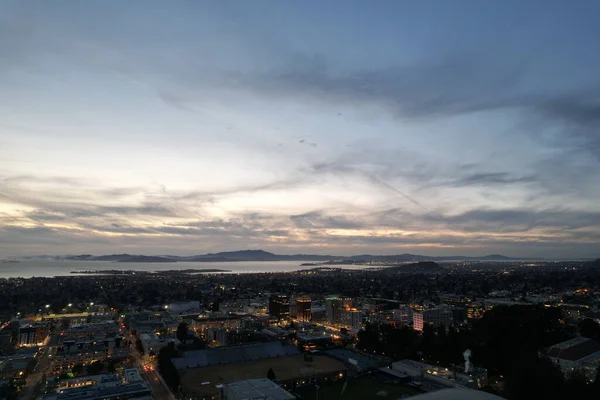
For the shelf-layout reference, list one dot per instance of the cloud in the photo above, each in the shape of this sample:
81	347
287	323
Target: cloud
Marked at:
519	220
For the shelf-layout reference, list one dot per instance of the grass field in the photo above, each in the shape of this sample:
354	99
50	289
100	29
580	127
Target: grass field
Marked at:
359	389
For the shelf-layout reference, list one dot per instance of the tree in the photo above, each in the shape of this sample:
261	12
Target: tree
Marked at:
589	329
368	339
271	374
534	378
113	366
198	344
95	368
77	369
166	368
140	346
182	331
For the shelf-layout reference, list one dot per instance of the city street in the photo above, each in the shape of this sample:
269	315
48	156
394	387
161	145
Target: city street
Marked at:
160	390
34	380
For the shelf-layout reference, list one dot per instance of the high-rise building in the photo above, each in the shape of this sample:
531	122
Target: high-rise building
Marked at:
351	318
434	317
303	309
403	316
334	307
279	306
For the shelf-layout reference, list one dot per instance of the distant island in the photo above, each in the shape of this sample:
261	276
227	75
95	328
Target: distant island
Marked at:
261	255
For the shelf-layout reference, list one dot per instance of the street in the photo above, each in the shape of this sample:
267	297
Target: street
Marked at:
160	390
34	380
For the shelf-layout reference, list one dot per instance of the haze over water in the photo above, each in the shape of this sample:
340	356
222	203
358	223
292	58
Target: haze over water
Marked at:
44	268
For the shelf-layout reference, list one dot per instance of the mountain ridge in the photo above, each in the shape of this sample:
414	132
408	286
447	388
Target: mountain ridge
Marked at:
261	255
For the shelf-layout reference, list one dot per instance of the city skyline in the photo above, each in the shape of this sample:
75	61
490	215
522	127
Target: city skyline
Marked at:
437	128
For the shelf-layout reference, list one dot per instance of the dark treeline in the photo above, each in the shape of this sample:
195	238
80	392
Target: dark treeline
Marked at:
508	341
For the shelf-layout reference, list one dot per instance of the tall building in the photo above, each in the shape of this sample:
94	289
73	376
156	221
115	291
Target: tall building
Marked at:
279	306
434	317
351	318
303	309
334	307
403	316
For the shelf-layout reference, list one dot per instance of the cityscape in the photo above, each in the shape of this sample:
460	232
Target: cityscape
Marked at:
299	200
504	329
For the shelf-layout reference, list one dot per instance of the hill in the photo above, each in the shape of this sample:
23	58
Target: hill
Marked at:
261	255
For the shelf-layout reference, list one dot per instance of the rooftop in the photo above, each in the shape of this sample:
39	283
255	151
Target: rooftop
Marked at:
456	394
261	388
232	354
574	349
285	368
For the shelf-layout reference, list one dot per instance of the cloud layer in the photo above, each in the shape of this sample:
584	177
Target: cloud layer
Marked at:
206	127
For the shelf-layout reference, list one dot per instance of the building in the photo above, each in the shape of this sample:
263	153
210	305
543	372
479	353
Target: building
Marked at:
27	336
261	388
456	394
334	307
152	342
81	331
573	312
13	367
579	354
183	306
475	310
350	318
403	316
456	377
204	373
434	317
455	300
279	306
104	392
303	309
73	352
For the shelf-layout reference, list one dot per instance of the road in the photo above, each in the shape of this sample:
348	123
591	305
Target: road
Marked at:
34	380
160	390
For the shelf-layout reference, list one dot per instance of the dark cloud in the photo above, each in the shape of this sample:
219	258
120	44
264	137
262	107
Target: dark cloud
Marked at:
452	85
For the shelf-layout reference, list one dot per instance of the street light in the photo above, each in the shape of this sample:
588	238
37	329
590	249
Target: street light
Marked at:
92	303
70	304
47	305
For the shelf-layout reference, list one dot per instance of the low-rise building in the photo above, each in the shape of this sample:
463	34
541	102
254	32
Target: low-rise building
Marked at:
13	367
456	376
104	392
73	352
579	354
34	334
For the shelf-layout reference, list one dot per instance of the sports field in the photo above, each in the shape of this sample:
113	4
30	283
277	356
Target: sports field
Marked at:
358	389
284	367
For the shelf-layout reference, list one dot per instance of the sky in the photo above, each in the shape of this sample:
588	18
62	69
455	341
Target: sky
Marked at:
465	127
